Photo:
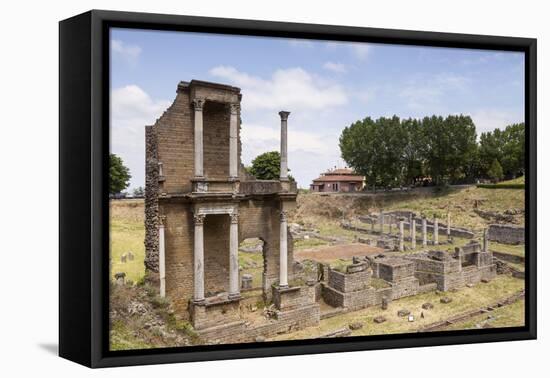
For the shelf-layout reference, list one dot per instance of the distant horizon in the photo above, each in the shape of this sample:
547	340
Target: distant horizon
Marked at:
325	85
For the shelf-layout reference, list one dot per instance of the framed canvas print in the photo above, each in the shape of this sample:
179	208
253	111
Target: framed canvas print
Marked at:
234	188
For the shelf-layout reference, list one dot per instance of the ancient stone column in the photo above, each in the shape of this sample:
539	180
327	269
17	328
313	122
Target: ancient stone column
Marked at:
424	232
381	221
198	104
485	241
448	226
390	223
372	222
233	140
459	252
162	257
413	233
436	231
401	235
198	253
284	151
234	291
283	252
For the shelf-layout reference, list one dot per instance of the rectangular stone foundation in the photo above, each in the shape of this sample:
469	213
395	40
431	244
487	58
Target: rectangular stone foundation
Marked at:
214	312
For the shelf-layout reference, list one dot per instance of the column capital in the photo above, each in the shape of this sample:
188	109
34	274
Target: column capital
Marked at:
198	219
234	218
284	115
283	216
162	220
234	108
198	103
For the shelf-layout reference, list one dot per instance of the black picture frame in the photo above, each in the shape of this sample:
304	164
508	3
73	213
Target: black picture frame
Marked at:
83	197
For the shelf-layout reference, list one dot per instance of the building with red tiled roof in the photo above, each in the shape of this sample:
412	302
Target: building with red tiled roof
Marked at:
338	180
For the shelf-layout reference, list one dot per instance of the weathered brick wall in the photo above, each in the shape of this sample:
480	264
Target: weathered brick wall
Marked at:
506	233
216	254
216	140
293	297
179	234
405	288
213	315
348	282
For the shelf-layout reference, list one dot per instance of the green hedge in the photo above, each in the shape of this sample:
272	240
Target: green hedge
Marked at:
501	186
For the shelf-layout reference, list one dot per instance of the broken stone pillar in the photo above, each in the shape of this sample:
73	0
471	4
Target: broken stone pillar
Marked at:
448	226
283	254
381	221
390	223
284	157
413	233
436	231
198	104
233	140
460	254
424	232
401	236
198	260
162	258
234	257
485	241
120	278
372	222
246	281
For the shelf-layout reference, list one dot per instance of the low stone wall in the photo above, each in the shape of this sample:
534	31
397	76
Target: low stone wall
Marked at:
509	258
293	297
506	233
352	301
405	288
206	316
348	282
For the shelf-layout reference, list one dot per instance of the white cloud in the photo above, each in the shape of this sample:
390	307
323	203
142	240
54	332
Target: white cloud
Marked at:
290	89
130	53
490	119
427	93
131	110
335	67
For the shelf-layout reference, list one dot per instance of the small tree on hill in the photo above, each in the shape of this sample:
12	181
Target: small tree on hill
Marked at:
495	172
119	175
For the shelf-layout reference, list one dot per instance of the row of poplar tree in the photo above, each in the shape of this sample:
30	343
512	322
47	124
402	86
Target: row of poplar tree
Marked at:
393	152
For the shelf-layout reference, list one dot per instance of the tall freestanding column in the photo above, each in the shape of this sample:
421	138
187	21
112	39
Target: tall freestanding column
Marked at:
390	223
436	231
283	252
413	233
424	232
233	140
401	235
198	252
162	257
234	291
198	104
284	151
381	221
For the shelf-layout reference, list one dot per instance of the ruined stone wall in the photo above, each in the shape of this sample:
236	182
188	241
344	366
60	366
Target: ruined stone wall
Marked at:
259	218
405	288
213	315
352	301
293	297
395	272
216	140
216	254
348	282
179	233
506	233
175	132
151	204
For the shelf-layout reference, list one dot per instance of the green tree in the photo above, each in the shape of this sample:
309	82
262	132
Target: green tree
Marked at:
267	166
139	191
495	171
507	146
119	175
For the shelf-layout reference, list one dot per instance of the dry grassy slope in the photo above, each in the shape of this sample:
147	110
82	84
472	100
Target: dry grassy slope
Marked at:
315	208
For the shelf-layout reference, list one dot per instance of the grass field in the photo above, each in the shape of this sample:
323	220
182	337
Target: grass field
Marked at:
127	234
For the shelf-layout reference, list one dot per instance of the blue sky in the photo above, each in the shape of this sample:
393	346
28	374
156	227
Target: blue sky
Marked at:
325	85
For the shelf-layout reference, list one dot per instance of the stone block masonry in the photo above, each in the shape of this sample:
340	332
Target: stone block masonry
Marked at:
507	233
